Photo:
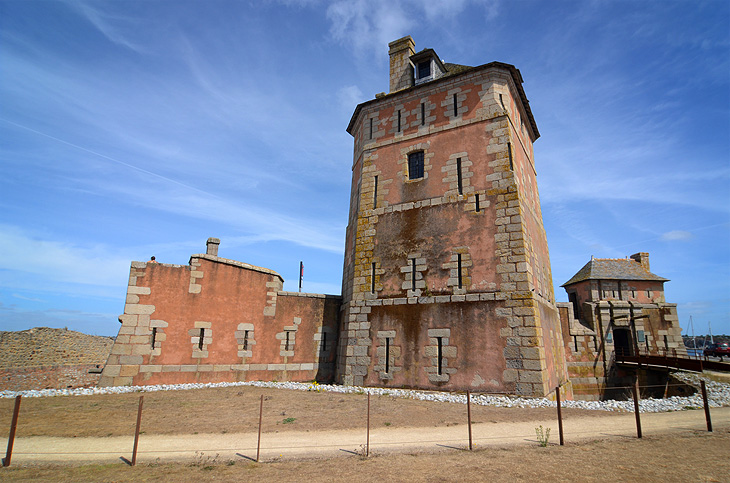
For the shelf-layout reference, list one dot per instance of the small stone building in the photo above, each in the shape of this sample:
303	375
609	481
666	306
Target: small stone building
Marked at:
219	320
615	306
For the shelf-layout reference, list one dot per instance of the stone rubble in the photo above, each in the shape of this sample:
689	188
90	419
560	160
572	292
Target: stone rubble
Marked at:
718	395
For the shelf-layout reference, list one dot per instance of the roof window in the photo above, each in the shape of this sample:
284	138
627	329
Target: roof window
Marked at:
424	69
426	66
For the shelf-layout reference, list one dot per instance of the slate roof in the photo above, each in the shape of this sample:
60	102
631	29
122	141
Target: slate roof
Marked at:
458	69
613	269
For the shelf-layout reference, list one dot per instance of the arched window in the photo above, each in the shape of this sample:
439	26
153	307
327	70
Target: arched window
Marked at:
415	165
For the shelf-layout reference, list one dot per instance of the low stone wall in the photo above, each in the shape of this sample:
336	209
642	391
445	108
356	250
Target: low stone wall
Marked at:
49	377
45	358
43	346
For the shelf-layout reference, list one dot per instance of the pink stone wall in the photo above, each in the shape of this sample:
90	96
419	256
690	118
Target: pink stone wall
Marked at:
251	329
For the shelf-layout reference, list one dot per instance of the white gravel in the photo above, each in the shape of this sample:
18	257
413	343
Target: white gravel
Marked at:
718	395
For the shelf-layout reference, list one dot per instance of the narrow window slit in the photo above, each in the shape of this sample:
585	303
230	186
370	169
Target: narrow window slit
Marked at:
456	109
476	201
459	269
398	120
423	114
371	128
387	355
458	176
413	274
375	194
575	342
509	150
245	340
200	341
287	344
372	278
154	336
440	342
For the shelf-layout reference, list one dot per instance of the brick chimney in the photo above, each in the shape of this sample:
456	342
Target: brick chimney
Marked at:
642	258
212	246
401	70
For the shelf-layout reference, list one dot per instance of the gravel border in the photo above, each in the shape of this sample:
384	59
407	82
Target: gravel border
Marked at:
718	395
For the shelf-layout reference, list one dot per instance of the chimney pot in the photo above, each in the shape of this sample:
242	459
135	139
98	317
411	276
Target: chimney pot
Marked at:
401	70
212	246
642	258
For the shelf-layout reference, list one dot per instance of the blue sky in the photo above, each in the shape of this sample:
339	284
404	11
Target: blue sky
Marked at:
138	128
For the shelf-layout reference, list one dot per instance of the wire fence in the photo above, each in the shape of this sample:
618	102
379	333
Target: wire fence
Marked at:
300	445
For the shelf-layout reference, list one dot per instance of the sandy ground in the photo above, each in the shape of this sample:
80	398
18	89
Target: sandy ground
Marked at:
288	445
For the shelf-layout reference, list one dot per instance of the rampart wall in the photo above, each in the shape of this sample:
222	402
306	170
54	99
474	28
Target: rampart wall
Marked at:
45	358
219	320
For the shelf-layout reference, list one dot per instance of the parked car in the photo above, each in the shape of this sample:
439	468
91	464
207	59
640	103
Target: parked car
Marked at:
718	350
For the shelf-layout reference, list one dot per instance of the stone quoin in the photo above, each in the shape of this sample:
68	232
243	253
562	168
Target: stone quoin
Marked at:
446	284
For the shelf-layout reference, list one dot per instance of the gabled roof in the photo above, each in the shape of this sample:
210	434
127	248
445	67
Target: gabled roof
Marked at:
613	269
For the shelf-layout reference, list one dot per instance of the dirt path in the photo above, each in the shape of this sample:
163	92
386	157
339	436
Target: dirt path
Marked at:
295	444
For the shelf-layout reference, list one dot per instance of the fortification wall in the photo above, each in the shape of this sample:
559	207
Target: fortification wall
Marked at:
45	358
219	320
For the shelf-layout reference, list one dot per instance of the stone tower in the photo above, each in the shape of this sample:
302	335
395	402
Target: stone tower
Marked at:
447	281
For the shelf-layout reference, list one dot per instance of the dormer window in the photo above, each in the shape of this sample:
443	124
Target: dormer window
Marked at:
426	66
424	69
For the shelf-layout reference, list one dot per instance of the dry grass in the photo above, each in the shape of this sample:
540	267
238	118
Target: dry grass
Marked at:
693	456
236	410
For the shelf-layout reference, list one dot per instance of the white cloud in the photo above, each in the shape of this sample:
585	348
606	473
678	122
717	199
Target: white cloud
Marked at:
60	261
368	25
111	26
349	96
437	11
677	235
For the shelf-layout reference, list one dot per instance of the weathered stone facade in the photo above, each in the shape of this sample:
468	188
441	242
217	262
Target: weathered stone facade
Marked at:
219	320
45	358
459	247
446	283
615	305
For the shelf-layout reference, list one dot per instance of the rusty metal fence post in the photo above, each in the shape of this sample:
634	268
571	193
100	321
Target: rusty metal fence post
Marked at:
136	431
560	416
635	393
367	443
11	437
468	417
261	417
707	406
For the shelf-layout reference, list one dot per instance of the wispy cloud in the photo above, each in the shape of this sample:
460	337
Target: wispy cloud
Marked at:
60	261
259	223
350	96
369	25
115	27
677	235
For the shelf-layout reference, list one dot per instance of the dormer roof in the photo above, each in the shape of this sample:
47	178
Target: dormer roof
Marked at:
427	66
